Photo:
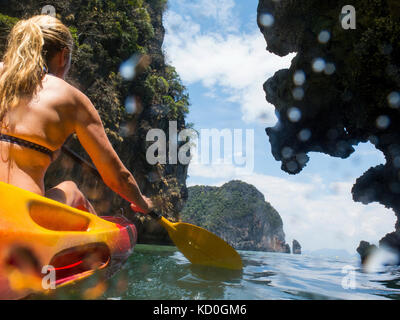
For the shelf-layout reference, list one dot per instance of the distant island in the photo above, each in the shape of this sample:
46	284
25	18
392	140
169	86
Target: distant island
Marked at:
238	213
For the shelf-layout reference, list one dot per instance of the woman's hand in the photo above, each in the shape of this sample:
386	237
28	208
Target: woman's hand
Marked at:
145	208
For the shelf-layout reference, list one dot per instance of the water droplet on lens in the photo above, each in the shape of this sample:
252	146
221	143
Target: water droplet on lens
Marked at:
287	152
127	68
330	69
130	105
302	158
299	78
298	93
324	36
304	135
267	20
292	166
318	65
394	99
382	122
294	114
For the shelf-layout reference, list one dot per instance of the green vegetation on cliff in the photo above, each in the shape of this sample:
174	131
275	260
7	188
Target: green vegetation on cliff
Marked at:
237	212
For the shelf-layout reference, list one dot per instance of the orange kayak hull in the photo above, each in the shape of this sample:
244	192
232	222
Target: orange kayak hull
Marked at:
45	244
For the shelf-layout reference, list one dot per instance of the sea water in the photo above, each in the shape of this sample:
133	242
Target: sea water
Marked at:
163	273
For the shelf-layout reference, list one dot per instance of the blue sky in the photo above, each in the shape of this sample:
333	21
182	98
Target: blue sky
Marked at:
220	55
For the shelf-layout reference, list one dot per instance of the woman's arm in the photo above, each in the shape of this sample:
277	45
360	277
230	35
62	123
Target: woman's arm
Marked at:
91	134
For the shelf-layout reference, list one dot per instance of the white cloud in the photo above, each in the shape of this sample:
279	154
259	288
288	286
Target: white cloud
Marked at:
238	64
316	213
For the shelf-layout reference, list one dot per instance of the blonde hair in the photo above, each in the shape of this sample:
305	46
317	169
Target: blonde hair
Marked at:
31	45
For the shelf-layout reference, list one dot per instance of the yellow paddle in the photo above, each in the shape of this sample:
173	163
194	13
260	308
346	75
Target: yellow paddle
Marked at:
199	246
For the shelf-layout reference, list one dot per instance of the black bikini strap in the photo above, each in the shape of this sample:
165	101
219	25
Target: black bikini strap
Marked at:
27	144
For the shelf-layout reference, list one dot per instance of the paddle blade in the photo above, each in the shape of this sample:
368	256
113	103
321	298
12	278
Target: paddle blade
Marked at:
202	247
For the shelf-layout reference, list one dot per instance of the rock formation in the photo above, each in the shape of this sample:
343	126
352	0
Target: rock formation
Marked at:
238	213
108	33
365	249
342	88
296	247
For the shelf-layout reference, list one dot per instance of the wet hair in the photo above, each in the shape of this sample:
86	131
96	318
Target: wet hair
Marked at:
32	43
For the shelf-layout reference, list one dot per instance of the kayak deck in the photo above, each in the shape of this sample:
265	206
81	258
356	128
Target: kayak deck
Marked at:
42	238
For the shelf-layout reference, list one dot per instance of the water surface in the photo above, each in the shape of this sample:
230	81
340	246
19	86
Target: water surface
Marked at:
161	272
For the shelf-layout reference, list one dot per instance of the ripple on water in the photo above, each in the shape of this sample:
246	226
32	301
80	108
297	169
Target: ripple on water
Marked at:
164	273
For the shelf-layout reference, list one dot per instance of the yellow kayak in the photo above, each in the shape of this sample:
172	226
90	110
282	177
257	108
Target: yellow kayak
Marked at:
45	244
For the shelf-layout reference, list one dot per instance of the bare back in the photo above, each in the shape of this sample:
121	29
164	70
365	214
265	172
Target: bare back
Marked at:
47	120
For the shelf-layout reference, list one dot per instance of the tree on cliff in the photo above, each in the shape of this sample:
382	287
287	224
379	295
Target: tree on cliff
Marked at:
342	88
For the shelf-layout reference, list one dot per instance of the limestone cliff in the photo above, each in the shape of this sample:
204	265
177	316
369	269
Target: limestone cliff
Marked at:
342	88
238	213
108	33
296	247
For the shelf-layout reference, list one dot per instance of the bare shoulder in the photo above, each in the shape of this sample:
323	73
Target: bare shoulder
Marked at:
72	94
84	109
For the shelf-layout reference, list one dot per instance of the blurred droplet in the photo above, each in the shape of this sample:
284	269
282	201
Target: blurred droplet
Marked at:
318	65
302	158
324	36
394	99
380	258
330	69
292	166
127	68
130	105
287	152
294	114
298	93
267	19
304	135
127	129
299	78
382	122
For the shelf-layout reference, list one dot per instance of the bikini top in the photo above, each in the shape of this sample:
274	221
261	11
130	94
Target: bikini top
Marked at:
27	144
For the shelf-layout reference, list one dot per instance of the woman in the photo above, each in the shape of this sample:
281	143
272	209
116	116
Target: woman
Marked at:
39	110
